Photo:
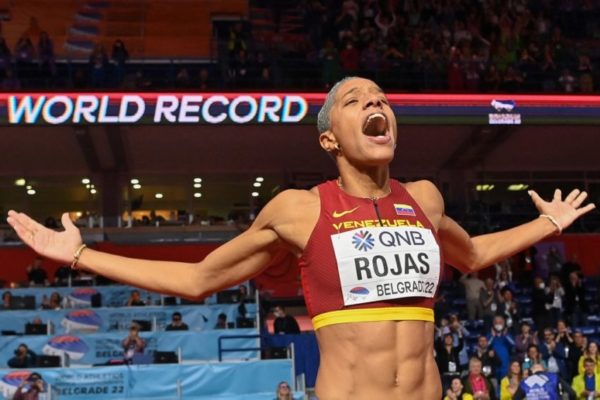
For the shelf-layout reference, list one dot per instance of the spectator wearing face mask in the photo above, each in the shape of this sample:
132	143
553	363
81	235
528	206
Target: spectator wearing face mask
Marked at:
502	343
284	323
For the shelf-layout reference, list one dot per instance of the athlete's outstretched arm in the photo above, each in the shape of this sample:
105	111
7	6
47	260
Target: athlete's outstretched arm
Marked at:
238	260
472	254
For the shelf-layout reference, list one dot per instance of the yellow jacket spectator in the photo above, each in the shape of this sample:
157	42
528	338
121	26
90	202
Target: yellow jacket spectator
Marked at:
510	383
591	351
587	384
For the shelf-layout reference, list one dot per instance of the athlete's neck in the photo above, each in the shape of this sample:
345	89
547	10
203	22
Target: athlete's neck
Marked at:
371	184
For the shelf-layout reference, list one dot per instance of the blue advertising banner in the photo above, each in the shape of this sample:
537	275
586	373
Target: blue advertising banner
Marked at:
207	381
112	296
197	317
100	348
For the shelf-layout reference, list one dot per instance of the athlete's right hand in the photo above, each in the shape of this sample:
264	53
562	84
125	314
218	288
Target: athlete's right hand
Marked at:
59	246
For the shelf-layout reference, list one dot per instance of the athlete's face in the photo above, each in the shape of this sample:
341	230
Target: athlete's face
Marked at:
363	124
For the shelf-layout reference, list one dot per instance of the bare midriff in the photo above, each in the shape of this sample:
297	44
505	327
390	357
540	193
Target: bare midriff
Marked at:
377	360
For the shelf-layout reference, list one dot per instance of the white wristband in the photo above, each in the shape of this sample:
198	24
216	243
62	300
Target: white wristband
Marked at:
554	222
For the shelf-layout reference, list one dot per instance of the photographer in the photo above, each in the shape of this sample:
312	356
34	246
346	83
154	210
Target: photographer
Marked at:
30	388
24	358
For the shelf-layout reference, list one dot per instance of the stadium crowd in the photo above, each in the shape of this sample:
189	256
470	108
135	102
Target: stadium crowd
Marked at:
433	45
494	333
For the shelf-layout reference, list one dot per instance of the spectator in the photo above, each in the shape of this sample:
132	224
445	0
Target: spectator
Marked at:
98	63
24	358
575	353
508	307
182	80
6	297
489	360
586	76
177	323
458	330
36	275
524	340
541	314
502	343
587	384
284	392
576	306
554	260
510	383
553	353
447	358
477	384
543	385
204	80
262	74
242	311
52	303
237	39
221	321
591	352
567	81
5	58
284	323
456	391
30	388
554	300
46	57
62	274
330	61
370	59
532	358
119	57
350	58
473	286
133	343
24	55
488	299
135	299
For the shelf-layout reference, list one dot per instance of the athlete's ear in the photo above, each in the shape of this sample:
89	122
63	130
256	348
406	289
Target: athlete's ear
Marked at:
328	142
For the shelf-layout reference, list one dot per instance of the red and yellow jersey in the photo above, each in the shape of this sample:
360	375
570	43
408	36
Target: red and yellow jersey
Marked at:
370	259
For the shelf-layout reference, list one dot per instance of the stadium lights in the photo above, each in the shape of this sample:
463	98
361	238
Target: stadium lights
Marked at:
85	181
31	192
197	195
29	187
484	188
260	179
137	186
93	191
256	184
197	180
197	185
20	182
135	181
516	187
159	195
254	194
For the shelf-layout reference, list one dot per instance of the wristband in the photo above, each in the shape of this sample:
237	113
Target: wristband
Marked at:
554	222
76	255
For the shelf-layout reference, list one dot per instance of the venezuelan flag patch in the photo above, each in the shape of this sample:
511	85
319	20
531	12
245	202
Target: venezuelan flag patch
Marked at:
404	209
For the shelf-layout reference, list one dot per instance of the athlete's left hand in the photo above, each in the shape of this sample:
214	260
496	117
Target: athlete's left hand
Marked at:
564	211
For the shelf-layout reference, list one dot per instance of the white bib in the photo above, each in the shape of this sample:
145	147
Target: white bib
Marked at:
380	263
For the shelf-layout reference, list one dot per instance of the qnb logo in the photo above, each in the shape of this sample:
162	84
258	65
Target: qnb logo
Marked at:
503	105
363	241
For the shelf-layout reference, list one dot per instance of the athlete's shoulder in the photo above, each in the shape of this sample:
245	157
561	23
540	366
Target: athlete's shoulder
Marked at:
427	195
289	203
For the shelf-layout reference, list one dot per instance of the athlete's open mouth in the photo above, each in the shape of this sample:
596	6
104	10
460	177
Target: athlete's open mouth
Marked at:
375	125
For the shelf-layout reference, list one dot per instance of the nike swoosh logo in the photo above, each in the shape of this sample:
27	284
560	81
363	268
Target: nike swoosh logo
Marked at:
342	213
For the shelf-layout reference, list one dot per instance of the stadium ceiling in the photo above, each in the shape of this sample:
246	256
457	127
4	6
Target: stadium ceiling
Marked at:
289	155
